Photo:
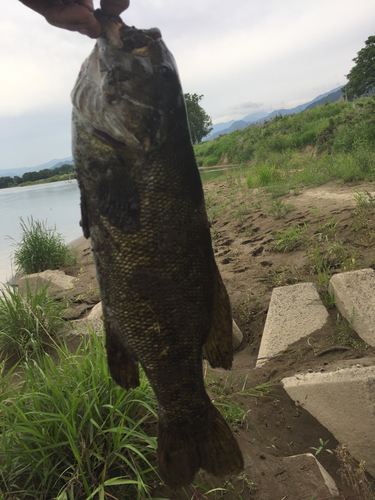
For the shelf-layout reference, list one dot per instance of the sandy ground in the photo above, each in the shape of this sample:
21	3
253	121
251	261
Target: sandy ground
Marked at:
244	236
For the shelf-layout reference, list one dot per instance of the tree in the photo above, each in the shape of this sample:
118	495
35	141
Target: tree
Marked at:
5	182
362	76
199	121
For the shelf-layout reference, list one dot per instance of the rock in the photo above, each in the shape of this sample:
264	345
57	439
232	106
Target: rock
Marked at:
236	335
294	312
59	282
96	312
307	471
354	294
342	401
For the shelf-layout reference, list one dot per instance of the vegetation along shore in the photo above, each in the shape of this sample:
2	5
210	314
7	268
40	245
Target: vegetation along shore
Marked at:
63	173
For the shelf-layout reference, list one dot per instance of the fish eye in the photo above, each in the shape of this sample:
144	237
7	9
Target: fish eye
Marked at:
166	70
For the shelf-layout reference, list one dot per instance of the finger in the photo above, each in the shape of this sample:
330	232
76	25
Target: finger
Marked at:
39	6
73	17
86	3
114	7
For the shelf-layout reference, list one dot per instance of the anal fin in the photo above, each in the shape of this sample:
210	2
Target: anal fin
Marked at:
122	366
218	348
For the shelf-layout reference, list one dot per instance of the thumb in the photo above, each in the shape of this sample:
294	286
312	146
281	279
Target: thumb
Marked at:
114	7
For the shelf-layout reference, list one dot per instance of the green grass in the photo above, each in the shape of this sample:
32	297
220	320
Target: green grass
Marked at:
291	239
69	432
40	248
225	398
364	200
28	322
279	209
345	335
339	137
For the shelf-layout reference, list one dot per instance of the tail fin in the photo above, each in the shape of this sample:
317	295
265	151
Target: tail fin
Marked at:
209	445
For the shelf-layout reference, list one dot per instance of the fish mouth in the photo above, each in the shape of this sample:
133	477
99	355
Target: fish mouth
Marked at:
127	38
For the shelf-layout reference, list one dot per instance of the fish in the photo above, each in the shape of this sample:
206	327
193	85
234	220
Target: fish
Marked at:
142	204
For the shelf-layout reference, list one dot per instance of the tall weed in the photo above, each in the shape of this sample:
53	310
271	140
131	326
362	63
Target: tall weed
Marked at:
28	322
70	432
40	248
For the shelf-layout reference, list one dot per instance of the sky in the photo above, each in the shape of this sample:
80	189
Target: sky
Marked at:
244	56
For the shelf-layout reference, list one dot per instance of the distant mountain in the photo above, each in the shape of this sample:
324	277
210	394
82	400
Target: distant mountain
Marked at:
254	117
63	162
237	125
331	96
322	98
4	172
220	126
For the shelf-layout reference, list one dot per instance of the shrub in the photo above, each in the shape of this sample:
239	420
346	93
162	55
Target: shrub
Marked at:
41	248
265	174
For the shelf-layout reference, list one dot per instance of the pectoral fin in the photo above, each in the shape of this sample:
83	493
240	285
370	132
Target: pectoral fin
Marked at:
118	198
218	348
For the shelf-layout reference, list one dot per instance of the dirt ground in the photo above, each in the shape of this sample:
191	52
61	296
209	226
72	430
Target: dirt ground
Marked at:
336	235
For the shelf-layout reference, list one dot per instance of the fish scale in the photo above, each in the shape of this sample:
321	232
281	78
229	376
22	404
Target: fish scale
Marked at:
142	203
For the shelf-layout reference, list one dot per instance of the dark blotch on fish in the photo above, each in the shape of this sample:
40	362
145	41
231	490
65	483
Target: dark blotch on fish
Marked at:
142	202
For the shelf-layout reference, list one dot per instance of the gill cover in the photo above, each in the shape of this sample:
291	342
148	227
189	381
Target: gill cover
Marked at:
128	87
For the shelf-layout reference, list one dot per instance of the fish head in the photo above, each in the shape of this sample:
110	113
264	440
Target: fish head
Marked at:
129	88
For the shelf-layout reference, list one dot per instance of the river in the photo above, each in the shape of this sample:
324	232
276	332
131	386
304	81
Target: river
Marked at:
56	203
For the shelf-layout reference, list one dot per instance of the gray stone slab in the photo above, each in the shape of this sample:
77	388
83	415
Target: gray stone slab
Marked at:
354	294
58	281
344	402
294	312
237	335
306	470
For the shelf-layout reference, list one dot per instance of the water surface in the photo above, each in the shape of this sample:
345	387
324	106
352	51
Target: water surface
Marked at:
56	203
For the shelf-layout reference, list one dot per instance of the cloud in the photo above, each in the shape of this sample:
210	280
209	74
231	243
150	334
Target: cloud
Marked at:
36	137
249	105
238	56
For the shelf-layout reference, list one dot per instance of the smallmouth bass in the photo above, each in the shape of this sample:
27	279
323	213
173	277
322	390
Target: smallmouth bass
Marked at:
142	205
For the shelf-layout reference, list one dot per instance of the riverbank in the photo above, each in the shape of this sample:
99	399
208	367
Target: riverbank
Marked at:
55	178
260	245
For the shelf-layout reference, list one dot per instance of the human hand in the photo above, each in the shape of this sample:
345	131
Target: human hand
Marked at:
75	15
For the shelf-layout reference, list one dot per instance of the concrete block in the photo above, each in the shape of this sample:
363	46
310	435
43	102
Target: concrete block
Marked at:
294	312
237	335
344	402
354	294
96	312
59	282
307	471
